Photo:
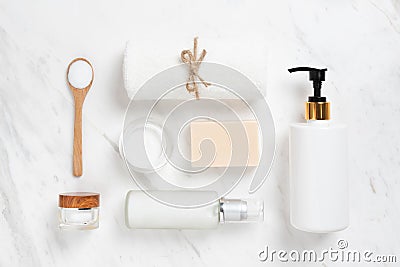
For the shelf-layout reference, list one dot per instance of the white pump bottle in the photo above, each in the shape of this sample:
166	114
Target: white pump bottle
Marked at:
318	166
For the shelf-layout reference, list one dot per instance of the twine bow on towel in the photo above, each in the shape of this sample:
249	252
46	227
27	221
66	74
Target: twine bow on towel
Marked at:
193	62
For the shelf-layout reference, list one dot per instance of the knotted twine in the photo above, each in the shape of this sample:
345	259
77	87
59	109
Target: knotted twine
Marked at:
193	62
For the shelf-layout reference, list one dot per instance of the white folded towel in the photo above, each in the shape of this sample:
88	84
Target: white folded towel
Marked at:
143	59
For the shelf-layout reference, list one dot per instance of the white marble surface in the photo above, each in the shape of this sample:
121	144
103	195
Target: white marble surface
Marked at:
359	41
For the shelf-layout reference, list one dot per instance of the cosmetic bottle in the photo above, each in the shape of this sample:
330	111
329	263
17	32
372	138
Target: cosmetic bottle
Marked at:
78	210
318	165
145	212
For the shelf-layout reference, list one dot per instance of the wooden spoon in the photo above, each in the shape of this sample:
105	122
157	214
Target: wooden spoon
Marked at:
79	97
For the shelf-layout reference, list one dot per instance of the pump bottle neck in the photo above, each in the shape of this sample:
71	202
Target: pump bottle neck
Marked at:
317	111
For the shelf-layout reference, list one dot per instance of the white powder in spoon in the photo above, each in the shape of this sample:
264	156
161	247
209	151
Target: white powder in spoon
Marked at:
80	74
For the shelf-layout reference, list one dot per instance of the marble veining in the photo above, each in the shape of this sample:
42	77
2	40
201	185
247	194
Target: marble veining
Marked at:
358	41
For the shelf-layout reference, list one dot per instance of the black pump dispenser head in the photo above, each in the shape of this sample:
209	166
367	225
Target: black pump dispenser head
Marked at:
317	76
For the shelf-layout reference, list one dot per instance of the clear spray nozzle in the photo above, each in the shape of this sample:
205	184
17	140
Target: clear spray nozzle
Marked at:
241	210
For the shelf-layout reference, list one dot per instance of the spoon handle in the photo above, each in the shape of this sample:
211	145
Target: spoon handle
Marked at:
77	157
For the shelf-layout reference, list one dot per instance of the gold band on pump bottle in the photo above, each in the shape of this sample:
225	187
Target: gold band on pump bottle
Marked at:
318	111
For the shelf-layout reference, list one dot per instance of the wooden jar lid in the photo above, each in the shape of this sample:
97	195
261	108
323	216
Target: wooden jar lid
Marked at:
80	200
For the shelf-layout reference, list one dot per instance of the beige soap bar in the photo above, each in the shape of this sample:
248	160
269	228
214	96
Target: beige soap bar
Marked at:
224	144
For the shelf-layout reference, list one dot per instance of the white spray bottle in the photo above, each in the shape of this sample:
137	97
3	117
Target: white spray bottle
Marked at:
144	212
